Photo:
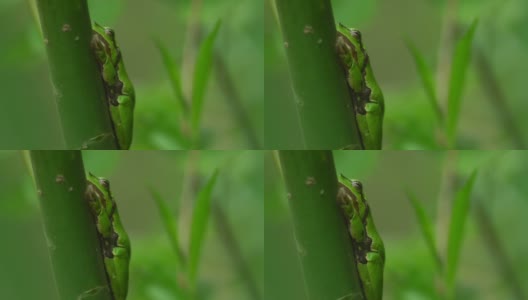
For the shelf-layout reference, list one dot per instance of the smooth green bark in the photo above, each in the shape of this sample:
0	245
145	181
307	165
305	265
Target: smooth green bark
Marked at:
322	97
77	84
73	246
323	242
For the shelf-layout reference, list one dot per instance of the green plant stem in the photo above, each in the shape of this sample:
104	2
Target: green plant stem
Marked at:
321	93
497	98
495	246
443	217
228	238
72	240
323	242
443	70
77	84
233	100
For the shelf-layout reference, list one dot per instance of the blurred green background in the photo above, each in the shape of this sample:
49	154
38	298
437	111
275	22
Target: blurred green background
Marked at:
25	270
500	188
29	119
501	36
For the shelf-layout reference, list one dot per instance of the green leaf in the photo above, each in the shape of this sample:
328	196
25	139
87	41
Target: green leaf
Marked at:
426	226
426	75
459	66
201	76
174	77
199	225
170	223
456	228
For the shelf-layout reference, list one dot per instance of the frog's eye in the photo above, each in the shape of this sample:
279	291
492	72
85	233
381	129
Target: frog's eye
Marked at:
104	182
109	32
357	185
356	34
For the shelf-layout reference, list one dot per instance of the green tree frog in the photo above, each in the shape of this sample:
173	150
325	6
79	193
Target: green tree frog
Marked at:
118	87
366	241
366	95
112	236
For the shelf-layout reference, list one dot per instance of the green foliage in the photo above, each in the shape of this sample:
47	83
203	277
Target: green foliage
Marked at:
201	75
170	224
173	71
459	216
459	66
191	115
412	116
200	220
426	239
199	225
426	75
426	227
178	266
153	224
158	121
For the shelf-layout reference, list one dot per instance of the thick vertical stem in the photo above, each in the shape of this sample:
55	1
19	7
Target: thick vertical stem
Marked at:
322	239
76	80
321	93
72	240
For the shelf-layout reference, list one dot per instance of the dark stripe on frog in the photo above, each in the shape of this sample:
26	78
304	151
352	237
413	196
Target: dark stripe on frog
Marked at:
105	42
100	196
117	88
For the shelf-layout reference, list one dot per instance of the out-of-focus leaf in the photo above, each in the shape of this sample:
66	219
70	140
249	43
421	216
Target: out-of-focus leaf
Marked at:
199	225
170	223
456	228
426	76
459	66
426	226
201	76
175	79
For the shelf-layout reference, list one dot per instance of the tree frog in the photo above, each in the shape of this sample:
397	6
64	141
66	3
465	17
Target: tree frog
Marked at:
113	237
118	87
366	241
366	95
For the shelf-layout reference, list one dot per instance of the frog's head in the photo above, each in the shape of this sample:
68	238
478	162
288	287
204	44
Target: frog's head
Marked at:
98	188
352	38
104	43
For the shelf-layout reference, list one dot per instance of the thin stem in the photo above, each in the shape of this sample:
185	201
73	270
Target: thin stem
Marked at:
496	96
443	216
228	238
233	100
494	245
443	69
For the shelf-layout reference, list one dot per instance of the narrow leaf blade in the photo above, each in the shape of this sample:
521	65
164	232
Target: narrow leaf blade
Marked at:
459	68
426	226
170	223
426	75
199	224
459	216
174	78
201	76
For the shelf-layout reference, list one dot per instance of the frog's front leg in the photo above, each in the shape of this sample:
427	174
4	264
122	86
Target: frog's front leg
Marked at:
121	256
371	274
375	259
122	119
371	126
117	269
